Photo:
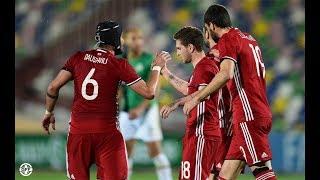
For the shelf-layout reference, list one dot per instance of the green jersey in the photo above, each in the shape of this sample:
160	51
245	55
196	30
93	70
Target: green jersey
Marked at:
142	65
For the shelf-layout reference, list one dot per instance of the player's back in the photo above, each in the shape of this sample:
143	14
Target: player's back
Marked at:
97	75
248	87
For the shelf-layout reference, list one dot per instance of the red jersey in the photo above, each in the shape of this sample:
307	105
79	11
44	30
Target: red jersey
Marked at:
97	75
203	120
224	99
248	87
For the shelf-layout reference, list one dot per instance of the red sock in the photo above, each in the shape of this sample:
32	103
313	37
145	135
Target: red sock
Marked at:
266	175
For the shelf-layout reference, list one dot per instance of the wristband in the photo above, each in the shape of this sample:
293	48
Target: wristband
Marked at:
156	68
48	113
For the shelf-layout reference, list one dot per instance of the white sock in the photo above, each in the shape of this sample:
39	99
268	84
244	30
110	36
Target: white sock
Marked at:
130	164
163	168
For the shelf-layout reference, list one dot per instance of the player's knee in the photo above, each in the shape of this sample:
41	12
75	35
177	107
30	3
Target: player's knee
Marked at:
230	168
225	173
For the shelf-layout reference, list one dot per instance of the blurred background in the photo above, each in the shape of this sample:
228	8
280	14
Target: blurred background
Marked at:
47	32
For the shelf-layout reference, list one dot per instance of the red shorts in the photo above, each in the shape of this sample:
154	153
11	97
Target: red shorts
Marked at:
221	153
106	150
250	141
198	155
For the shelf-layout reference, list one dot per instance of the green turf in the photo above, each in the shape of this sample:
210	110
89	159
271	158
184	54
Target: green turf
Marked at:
137	175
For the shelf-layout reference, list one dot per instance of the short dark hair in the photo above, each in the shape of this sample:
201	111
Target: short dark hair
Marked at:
218	15
190	35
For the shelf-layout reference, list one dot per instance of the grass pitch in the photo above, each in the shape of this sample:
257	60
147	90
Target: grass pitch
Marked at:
137	175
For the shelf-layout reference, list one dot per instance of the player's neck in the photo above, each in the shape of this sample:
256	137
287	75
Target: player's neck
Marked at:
196	57
108	48
223	31
211	43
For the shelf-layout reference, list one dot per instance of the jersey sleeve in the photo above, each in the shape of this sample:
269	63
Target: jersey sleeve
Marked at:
127	73
69	65
228	48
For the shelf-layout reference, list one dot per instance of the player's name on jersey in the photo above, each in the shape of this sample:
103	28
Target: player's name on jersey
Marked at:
249	37
94	59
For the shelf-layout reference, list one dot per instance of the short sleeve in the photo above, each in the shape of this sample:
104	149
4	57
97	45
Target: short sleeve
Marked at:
69	65
127	73
228	48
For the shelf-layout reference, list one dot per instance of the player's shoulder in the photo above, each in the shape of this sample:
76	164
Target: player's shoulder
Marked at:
207	64
119	61
243	35
208	60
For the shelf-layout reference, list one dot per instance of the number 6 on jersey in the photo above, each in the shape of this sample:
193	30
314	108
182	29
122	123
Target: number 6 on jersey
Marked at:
87	81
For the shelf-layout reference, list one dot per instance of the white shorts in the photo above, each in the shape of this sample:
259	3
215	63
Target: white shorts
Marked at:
147	127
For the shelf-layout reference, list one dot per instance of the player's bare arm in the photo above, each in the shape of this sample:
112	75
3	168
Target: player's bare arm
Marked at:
178	83
52	96
148	90
221	78
167	109
136	112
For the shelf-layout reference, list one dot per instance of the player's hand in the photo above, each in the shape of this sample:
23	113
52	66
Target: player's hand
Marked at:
215	52
189	105
47	120
162	58
135	113
166	110
164	69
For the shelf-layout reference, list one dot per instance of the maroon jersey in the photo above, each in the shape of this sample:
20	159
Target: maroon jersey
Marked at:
248	87
224	99
203	120
97	75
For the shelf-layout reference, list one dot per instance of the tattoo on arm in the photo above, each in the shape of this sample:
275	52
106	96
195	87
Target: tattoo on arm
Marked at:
177	81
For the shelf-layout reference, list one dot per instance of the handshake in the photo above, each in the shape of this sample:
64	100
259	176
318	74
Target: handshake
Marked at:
161	59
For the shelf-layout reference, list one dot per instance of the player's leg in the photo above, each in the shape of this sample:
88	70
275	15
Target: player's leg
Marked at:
160	160
111	156
128	129
78	156
130	146
221	155
231	169
257	149
234	160
150	132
